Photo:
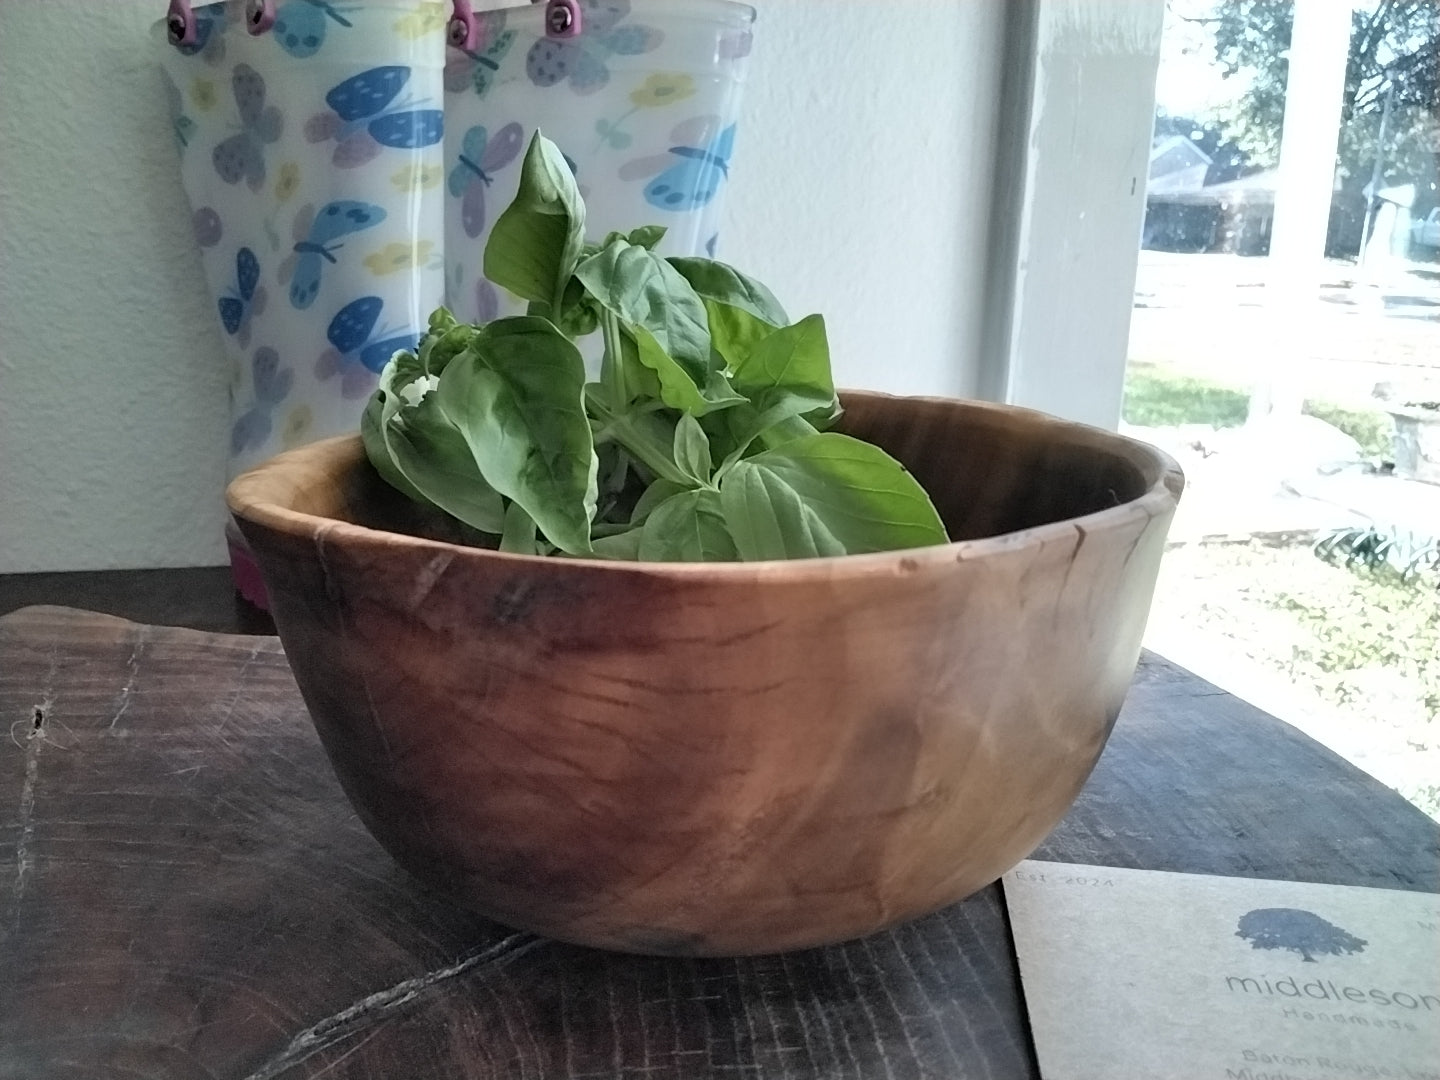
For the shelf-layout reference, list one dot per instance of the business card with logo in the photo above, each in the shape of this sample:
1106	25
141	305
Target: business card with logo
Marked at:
1137	973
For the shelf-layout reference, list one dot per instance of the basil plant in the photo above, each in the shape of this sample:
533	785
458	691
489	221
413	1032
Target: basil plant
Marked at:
703	440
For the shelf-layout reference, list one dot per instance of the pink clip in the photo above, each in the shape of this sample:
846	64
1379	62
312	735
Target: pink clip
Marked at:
259	16
180	23
562	19
460	31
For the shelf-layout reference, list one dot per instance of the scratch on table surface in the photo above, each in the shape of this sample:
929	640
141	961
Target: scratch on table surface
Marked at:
34	741
377	1008
229	709
132	669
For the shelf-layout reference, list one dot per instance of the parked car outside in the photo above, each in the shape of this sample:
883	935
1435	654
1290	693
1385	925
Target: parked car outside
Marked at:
1425	232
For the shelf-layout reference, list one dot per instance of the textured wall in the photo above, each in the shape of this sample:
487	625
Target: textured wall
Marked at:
861	184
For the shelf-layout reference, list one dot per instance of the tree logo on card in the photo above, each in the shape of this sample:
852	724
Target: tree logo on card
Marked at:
1301	932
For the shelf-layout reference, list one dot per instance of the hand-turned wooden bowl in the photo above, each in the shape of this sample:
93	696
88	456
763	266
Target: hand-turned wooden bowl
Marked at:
725	758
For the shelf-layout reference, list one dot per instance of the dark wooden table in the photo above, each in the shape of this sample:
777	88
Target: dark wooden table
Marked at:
184	891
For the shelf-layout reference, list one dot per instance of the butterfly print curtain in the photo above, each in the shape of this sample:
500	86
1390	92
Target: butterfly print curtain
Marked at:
344	168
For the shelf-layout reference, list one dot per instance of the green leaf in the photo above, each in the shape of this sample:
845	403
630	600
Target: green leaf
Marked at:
648	236
692	449
646	292
652	497
519	535
790	367
377	448
416	449
734	331
625	545
825	494
578	315
689	527
785	376
536	242
516	395
445	339
724	284
676	386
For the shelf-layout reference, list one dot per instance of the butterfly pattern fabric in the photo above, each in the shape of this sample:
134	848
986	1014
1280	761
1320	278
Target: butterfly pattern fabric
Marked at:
642	102
355	162
690	172
358	351
183	125
271	385
583	61
368	112
477	69
301	25
244	300
242	156
286	239
317	240
479	159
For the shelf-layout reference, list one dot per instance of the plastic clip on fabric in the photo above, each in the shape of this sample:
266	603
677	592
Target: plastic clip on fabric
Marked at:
562	19
180	23
460	30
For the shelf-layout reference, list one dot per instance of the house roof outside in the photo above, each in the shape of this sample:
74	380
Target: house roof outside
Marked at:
1177	164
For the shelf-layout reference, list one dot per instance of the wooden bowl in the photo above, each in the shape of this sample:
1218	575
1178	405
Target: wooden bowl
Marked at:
725	758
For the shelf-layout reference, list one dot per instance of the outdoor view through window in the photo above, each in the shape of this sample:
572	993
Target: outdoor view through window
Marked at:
1285	347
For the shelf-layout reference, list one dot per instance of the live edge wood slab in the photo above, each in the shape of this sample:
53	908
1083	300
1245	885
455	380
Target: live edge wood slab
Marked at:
184	892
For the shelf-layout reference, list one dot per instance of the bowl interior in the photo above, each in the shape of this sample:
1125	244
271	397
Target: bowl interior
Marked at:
989	469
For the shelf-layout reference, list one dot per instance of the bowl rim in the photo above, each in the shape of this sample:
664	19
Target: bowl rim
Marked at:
249	500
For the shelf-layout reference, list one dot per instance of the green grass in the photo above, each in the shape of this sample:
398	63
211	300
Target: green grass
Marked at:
1155	397
1368	428
1158	398
1362	642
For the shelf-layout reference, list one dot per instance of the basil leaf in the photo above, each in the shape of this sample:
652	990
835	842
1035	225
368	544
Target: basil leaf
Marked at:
785	376
734	332
442	342
677	386
577	316
791	366
652	497
646	292
625	545
641	380
417	450
377	448
519	535
516	395
692	449
689	527
648	236
724	284
825	494
536	242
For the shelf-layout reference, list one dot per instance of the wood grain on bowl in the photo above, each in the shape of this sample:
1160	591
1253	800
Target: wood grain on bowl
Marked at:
725	758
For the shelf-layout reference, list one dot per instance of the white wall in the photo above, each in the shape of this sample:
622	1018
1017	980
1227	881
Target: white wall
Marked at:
862	188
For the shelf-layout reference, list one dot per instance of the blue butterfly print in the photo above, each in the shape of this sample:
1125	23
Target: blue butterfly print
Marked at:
690	183
366	116
246	297
358	351
315	244
272	384
301	24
